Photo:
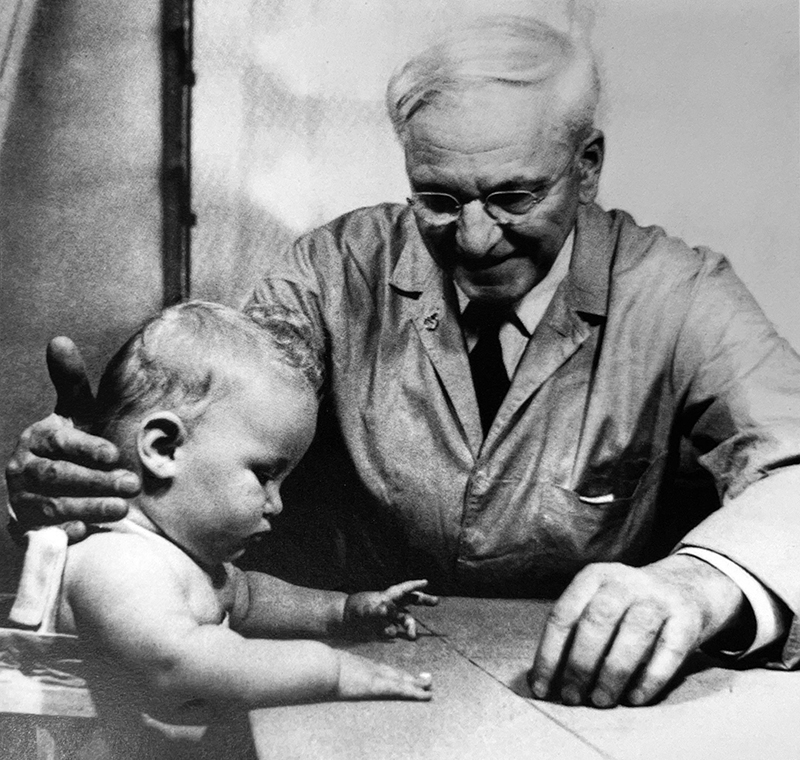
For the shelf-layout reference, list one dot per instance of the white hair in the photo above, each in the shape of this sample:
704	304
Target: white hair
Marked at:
516	51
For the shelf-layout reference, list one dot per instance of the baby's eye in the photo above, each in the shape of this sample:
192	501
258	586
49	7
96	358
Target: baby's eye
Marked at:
263	474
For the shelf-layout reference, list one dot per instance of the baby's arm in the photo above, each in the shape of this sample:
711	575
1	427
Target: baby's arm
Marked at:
267	606
134	605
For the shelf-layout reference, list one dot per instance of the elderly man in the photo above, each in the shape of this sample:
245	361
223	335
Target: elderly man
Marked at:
510	372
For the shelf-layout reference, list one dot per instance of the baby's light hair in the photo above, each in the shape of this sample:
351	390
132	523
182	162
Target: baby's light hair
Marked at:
186	355
517	51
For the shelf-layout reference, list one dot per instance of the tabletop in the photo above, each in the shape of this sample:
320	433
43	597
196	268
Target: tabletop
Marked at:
479	651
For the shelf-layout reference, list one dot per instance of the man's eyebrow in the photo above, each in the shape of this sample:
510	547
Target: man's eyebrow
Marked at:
432	187
513	183
522	183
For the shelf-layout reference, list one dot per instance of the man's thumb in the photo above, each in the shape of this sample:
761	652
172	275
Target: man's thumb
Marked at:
68	375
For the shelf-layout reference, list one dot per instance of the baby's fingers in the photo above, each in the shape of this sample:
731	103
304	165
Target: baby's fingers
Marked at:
423	600
410	627
404	590
405	685
402	624
390	631
423	685
409	592
425	680
360	678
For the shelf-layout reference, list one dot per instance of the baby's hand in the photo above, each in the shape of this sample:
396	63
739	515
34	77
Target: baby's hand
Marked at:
360	678
384	613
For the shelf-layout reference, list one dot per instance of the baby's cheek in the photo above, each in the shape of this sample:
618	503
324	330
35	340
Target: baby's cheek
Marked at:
249	508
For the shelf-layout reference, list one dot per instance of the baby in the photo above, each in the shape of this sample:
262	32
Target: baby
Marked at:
213	409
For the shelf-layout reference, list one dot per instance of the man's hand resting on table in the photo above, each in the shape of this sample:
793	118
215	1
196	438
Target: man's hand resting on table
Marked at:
60	474
621	633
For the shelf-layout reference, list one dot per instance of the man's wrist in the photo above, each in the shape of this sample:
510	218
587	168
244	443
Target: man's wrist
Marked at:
763	620
720	599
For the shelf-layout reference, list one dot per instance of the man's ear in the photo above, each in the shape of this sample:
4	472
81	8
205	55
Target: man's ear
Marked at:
590	163
160	434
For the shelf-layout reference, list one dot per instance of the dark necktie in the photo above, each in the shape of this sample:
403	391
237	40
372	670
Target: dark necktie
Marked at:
486	361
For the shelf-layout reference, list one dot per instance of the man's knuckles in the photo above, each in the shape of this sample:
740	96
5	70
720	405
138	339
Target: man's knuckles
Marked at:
42	429
31	508
15	467
46	472
646	618
682	636
605	610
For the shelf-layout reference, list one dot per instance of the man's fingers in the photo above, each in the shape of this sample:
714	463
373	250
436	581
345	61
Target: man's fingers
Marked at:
676	640
31	509
68	374
594	633
50	477
558	632
54	438
75	530
632	646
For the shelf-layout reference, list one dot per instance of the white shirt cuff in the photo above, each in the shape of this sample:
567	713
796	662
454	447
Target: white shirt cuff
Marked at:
770	625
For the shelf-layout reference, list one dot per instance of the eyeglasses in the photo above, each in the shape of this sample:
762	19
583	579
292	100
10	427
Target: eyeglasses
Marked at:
504	206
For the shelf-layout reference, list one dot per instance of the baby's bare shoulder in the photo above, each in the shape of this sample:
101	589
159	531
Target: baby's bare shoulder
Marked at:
108	559
134	576
108	548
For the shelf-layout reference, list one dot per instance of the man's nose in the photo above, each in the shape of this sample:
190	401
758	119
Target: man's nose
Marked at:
476	231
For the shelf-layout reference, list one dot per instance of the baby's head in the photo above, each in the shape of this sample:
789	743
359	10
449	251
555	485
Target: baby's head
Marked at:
213	408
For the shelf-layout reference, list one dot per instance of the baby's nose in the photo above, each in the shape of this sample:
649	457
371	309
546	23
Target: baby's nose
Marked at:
273	505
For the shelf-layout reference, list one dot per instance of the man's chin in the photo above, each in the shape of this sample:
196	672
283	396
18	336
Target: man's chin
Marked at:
487	288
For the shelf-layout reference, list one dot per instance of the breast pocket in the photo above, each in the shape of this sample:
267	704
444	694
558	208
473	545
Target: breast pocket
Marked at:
607	517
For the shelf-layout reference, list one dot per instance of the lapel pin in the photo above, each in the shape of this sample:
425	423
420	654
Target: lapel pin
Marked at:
431	322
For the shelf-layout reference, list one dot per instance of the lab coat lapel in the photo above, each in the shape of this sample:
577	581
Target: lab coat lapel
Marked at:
439	330
558	336
579	302
428	301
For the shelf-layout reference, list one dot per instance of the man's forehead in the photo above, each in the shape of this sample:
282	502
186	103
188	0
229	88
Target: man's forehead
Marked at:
494	135
486	118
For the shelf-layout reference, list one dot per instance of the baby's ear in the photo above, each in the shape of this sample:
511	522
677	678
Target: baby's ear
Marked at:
160	434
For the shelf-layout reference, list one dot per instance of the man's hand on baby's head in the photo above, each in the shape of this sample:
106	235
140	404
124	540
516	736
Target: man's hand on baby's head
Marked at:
58	473
360	678
385	613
